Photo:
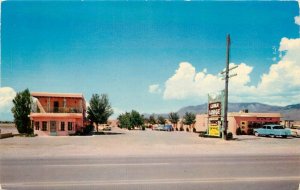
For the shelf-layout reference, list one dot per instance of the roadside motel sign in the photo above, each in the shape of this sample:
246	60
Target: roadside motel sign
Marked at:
215	110
214	128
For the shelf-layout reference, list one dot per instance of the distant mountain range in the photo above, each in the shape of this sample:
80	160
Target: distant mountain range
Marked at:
290	112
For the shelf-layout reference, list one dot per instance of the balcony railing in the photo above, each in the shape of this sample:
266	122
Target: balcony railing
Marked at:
65	110
60	110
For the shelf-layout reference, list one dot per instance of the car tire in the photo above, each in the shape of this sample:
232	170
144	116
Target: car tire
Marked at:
272	136
256	134
284	136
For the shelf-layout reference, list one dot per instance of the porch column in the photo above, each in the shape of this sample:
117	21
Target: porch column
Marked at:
48	104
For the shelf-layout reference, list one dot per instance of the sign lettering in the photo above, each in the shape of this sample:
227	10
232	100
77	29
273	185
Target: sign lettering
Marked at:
214	109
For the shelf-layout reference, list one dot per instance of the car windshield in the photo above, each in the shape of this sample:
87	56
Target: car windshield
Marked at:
278	127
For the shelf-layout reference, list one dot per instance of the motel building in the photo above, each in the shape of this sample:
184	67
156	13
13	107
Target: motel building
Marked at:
245	121
57	114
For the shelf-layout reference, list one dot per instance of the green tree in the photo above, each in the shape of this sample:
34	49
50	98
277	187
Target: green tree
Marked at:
152	119
189	119
161	120
174	118
131	120
136	119
21	110
124	120
99	109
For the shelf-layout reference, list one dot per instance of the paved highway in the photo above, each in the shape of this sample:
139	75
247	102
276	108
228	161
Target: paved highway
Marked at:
198	172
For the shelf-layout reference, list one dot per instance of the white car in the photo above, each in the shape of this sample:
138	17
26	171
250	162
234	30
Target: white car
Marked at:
295	130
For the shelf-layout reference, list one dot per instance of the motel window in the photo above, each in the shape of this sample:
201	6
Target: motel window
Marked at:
37	125
44	128
268	127
70	127
62	126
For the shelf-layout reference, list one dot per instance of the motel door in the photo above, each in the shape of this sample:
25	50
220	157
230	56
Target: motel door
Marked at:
53	128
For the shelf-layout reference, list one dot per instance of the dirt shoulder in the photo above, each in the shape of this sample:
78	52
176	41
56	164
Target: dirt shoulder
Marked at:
144	143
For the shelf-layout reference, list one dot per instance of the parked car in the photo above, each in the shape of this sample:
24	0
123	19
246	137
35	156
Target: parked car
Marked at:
168	128
272	130
158	128
163	128
107	128
295	130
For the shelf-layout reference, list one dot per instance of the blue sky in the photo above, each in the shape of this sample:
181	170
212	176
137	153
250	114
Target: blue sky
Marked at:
122	48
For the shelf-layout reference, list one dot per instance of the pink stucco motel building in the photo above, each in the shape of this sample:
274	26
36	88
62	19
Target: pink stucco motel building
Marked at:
245	121
57	114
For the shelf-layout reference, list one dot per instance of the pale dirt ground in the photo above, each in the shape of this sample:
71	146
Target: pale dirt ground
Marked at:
144	143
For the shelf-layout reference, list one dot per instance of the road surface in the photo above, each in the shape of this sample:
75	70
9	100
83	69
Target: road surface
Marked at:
173	172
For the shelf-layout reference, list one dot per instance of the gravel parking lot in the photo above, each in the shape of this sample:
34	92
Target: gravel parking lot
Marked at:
143	143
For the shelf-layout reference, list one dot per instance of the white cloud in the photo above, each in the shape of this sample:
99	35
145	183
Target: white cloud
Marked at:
280	85
154	89
297	20
289	44
7	94
187	83
283	78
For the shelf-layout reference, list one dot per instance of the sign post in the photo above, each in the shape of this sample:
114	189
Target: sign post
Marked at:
215	110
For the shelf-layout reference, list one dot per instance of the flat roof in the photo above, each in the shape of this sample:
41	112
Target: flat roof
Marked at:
50	94
251	114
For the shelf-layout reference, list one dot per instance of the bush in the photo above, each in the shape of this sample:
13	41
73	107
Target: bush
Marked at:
143	127
250	132
187	129
194	130
238	131
229	136
202	133
181	129
88	130
31	135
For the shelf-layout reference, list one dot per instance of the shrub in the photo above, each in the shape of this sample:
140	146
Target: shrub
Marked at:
202	133
194	130
229	136
88	130
250	132
143	127
187	129
238	131
181	129
31	135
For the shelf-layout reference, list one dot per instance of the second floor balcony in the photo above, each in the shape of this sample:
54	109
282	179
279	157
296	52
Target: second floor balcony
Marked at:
65	110
36	109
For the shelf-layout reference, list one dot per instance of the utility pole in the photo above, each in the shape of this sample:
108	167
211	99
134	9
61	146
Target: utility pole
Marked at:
226	77
224	134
